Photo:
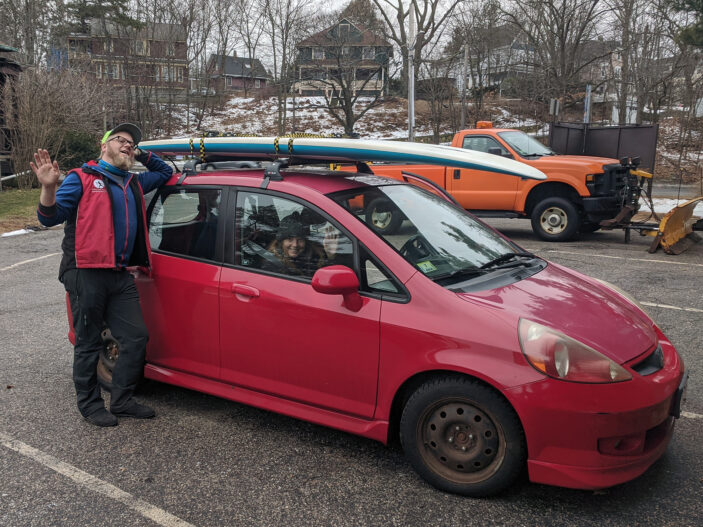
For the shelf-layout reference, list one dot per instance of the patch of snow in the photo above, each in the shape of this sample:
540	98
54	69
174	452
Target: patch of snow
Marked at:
15	233
662	205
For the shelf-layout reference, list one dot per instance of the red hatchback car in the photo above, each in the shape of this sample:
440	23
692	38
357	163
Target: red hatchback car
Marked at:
483	358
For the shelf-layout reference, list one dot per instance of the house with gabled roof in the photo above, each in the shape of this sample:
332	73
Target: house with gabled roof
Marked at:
9	70
343	49
237	74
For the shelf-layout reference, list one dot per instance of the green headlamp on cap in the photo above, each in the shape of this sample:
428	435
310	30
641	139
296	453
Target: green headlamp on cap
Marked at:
131	129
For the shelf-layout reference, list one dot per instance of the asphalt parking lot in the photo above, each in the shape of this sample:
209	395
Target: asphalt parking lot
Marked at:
205	461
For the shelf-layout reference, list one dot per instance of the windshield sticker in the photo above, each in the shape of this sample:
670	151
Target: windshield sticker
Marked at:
426	266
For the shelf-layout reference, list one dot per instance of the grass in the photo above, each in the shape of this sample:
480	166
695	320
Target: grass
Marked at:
18	209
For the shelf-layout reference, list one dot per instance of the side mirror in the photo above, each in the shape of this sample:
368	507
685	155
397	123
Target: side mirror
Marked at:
339	280
496	151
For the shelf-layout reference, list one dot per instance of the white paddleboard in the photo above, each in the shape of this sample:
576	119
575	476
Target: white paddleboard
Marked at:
340	150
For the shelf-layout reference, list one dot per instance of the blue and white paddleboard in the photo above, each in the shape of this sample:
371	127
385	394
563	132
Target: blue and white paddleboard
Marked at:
340	150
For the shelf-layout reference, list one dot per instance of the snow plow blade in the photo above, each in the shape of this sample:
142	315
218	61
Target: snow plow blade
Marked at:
675	233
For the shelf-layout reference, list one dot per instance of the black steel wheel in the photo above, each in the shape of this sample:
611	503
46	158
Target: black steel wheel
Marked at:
462	437
383	216
556	219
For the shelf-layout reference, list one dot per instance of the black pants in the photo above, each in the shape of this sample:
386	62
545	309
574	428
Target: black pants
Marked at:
100	297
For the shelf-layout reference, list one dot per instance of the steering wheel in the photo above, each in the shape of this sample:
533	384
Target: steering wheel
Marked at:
416	248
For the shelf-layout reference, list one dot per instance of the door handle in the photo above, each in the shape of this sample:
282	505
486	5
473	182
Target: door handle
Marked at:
245	290
457	173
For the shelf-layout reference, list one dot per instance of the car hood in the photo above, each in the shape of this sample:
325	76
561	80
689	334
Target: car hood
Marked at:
577	306
591	164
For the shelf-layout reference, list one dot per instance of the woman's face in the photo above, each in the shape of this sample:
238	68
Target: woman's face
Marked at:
292	247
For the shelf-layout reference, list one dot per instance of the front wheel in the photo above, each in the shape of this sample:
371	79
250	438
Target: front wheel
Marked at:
556	219
462	437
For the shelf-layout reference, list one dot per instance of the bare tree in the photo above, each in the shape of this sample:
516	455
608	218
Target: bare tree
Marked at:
354	72
430	16
438	89
557	31
248	26
287	21
42	107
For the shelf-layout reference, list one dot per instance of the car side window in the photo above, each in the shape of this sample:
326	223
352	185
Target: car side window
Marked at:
186	222
374	279
482	143
286	237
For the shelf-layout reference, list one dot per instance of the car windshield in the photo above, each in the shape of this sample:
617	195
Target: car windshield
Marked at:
443	242
524	144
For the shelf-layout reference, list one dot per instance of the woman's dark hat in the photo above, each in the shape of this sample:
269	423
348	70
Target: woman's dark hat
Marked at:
131	129
290	227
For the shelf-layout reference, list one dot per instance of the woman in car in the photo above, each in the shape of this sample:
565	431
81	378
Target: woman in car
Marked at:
294	253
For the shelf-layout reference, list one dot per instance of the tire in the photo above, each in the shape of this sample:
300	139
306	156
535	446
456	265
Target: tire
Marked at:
383	217
556	220
462	437
107	360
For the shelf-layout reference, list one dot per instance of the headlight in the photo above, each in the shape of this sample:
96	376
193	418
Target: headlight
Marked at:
564	358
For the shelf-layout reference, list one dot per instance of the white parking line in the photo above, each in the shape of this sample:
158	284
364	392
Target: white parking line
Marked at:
28	261
691	415
90	482
589	255
665	306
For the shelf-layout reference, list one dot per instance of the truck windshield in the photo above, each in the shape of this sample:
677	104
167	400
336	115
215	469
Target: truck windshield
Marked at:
524	144
442	241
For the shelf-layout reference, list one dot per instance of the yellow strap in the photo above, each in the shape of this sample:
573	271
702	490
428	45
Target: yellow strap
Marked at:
640	173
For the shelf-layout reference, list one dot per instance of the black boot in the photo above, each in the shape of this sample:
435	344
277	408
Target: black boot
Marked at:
101	418
134	409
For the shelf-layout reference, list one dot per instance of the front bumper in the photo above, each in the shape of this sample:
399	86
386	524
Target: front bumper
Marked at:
599	435
601	208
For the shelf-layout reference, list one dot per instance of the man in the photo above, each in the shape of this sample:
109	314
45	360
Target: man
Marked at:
103	207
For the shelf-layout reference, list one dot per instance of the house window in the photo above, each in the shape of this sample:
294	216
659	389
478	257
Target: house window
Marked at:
617	72
179	73
109	45
171	49
140	47
111	71
257	83
368	53
318	53
99	71
343	31
228	82
157	73
346	51
166	74
603	71
122	73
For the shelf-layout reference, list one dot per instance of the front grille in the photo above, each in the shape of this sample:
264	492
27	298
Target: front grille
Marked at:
615	181
652	363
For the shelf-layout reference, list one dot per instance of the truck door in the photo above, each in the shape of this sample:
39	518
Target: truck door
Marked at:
479	189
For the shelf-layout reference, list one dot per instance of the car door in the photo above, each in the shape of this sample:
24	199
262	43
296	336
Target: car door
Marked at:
281	337
480	189
180	295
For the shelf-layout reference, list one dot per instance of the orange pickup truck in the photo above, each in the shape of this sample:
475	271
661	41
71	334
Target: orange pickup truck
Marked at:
577	195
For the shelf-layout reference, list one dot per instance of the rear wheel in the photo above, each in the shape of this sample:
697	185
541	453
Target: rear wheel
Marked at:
383	216
462	437
556	219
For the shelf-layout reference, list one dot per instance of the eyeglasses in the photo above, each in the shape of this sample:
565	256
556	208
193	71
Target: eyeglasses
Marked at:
122	141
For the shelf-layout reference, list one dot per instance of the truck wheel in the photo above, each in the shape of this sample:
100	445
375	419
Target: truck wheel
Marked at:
462	437
555	220
383	216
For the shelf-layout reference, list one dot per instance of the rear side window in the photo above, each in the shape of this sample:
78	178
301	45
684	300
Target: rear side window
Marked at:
186	222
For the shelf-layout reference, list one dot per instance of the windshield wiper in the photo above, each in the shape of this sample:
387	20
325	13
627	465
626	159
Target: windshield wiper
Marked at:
467	271
506	257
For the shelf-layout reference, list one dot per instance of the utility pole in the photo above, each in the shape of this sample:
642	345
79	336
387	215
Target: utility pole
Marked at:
411	76
463	87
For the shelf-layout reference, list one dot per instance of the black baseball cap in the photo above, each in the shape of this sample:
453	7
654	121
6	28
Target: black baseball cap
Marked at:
131	129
